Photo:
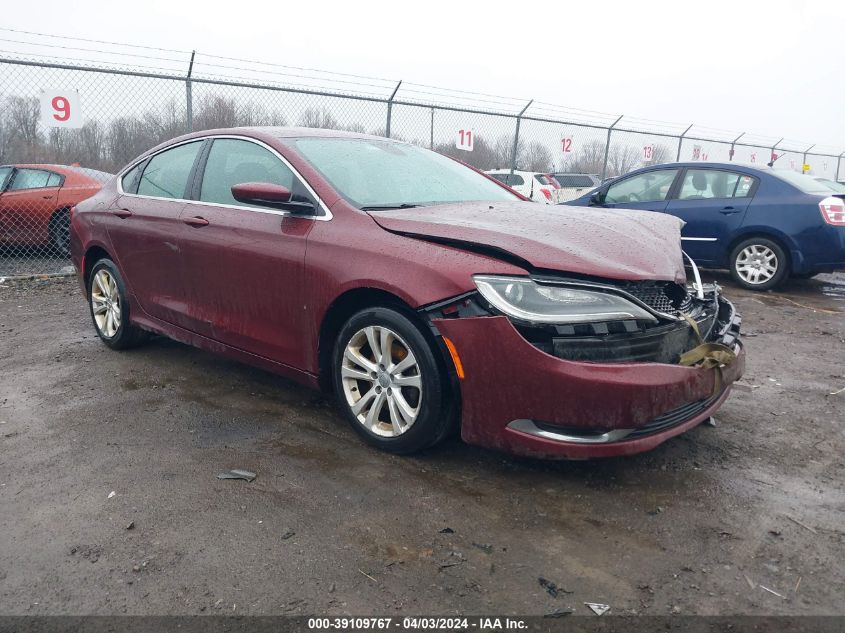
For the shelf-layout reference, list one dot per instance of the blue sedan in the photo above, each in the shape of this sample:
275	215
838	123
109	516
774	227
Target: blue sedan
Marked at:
762	224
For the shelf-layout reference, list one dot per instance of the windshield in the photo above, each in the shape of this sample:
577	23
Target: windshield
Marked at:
802	182
382	173
835	186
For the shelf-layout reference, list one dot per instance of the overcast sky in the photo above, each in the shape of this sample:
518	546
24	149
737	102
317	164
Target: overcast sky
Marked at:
771	68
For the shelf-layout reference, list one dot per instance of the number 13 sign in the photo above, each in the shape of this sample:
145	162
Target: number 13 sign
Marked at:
60	108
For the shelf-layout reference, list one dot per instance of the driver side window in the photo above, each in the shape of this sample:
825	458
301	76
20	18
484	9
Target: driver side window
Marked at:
234	161
652	186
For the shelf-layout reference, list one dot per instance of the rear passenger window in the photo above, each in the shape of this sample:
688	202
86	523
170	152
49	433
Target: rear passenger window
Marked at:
515	180
702	184
167	173
233	162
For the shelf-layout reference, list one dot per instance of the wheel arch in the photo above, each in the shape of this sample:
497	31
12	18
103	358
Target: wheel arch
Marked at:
94	254
767	233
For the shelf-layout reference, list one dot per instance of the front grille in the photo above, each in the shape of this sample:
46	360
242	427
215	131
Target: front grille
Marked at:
665	297
674	417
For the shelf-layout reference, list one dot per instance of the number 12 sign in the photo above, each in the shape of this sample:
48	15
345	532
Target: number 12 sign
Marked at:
60	108
464	140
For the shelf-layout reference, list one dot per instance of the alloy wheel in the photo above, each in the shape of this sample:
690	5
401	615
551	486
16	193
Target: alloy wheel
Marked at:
105	303
756	264
382	382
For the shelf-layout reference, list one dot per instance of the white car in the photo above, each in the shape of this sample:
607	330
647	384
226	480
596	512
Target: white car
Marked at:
575	185
534	185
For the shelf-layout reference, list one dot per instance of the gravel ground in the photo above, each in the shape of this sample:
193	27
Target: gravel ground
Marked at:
109	501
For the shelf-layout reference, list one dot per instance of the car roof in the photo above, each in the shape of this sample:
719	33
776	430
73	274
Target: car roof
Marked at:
706	164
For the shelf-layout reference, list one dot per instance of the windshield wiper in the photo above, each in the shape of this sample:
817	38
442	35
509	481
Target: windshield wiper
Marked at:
385	207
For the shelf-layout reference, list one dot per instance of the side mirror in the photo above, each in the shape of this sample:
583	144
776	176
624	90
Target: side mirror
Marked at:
597	199
265	194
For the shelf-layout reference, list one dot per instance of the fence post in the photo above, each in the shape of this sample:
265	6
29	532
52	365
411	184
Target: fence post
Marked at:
681	142
733	143
607	147
431	140
838	163
772	158
804	160
516	135
390	109
189	94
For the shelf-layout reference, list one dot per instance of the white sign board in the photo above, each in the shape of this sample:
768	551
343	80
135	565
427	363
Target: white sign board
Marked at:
648	152
60	108
566	145
464	140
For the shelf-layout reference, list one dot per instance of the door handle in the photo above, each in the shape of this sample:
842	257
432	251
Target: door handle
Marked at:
728	211
122	213
196	221
47	197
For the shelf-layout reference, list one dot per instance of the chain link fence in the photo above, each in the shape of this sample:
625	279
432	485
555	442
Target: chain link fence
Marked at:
65	127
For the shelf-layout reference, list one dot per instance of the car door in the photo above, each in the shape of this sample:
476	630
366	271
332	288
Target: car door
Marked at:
144	224
28	203
243	264
648	191
712	202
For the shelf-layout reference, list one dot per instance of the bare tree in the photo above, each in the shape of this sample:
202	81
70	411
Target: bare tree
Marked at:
587	159
537	157
622	158
318	117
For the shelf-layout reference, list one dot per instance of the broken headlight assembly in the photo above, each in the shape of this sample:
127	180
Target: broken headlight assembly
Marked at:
525	300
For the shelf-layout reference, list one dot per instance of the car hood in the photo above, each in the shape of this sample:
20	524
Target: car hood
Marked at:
626	245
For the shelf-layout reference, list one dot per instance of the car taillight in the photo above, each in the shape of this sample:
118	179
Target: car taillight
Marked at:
833	211
546	193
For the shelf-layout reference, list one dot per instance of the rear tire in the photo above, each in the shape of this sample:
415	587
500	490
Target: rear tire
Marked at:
389	383
60	232
109	306
758	263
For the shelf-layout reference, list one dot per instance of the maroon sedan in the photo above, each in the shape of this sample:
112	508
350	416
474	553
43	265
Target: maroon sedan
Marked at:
426	295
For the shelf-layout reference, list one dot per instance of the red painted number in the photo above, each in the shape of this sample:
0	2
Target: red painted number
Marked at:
566	144
466	137
62	108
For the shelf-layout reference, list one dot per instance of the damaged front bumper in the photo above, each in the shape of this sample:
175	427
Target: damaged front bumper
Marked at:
576	392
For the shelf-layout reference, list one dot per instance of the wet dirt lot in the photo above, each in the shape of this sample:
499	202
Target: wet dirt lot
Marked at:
743	518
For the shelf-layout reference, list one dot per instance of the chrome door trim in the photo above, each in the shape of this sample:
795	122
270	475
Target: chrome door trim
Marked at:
321	218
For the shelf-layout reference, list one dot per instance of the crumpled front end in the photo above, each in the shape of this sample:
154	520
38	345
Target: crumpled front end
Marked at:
592	389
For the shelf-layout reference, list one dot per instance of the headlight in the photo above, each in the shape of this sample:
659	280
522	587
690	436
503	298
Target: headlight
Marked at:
522	298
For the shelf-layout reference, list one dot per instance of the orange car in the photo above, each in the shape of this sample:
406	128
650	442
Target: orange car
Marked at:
35	202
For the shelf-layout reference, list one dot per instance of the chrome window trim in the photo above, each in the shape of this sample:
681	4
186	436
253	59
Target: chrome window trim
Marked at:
700	239
321	218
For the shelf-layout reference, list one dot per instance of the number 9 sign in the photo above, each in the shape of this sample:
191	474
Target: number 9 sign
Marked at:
60	108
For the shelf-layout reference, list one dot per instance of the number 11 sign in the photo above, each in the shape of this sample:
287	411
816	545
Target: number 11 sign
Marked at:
60	108
464	140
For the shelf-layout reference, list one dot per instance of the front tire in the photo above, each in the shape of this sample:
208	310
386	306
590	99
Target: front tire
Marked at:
758	263
107	300
389	383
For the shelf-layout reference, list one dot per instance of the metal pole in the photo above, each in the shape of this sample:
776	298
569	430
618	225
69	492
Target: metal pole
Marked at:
804	161
390	109
681	142
516	135
189	94
772	160
607	147
733	143
431	140
838	163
